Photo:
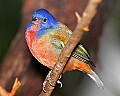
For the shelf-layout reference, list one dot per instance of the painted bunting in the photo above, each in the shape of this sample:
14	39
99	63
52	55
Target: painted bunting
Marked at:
46	37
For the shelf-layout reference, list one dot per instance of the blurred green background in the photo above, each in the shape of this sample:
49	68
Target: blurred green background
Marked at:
10	14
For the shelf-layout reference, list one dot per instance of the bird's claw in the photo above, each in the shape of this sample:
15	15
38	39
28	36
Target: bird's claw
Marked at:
44	83
49	81
59	82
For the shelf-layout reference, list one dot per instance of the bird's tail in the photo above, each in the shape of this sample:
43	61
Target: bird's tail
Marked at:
96	79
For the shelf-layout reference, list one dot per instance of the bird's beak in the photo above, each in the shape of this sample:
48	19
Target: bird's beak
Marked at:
37	22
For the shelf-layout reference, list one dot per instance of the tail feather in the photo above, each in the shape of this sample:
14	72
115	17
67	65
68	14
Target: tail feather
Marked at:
96	79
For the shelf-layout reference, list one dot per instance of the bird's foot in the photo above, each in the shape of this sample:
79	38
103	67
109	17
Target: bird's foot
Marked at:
49	81
59	82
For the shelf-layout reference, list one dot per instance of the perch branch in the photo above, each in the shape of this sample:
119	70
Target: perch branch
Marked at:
82	26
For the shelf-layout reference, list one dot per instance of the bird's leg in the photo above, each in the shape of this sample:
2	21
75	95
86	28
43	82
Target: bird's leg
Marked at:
49	80
58	81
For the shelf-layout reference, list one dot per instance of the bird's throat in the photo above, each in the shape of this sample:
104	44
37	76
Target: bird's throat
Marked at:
30	34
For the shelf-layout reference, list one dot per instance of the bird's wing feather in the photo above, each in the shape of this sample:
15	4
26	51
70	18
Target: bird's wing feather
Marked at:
60	35
81	54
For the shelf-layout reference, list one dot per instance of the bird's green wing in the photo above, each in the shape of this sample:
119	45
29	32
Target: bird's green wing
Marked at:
60	35
81	54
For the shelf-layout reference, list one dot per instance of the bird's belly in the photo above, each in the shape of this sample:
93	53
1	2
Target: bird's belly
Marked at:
45	52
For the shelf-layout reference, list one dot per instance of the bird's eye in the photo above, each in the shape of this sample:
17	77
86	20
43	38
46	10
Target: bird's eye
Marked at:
44	20
34	19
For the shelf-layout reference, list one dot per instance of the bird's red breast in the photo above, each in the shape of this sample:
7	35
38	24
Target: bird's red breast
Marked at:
30	34
41	48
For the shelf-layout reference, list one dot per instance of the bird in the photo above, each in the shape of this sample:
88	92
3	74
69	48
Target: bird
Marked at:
46	37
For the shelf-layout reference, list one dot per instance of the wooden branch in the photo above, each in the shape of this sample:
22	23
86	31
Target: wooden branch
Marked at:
82	26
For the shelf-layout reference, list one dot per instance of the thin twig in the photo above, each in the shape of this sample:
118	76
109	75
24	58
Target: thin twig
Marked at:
78	16
82	26
3	92
15	87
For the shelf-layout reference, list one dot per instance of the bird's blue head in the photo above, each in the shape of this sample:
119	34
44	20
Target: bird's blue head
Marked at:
43	19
